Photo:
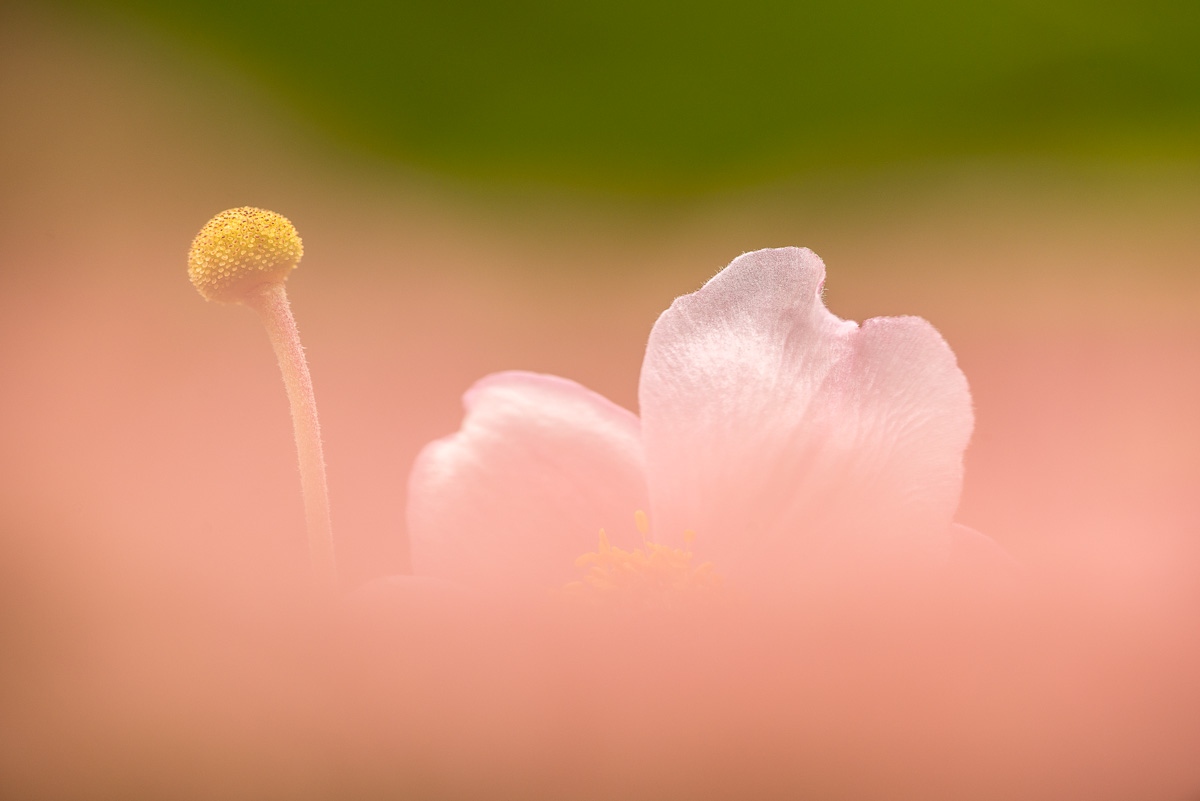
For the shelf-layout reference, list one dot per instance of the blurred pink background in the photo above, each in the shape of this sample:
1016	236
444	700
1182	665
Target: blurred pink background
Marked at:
148	471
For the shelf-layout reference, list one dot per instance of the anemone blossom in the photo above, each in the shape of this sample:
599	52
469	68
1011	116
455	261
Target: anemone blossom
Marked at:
775	439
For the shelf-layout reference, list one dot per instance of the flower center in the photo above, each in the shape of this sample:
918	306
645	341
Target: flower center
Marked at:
653	577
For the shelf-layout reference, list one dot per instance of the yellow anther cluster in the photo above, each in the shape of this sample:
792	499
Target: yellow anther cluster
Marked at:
240	250
654	577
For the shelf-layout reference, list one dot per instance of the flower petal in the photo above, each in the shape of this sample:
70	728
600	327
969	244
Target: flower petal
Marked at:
778	431
540	465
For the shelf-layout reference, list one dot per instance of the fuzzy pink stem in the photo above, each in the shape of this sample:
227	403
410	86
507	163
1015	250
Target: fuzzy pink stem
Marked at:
271	303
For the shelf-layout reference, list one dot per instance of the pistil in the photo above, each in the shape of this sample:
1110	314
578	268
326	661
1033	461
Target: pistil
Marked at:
244	256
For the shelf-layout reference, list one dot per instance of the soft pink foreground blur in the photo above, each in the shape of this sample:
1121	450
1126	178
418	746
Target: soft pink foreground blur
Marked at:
160	636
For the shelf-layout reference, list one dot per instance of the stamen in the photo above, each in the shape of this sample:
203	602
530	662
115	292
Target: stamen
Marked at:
648	578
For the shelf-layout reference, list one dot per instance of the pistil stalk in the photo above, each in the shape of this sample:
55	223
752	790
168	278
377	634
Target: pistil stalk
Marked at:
271	304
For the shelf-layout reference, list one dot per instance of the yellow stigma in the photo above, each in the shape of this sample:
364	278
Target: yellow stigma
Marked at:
241	250
654	577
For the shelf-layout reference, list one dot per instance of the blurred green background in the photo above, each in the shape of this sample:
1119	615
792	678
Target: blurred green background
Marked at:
681	99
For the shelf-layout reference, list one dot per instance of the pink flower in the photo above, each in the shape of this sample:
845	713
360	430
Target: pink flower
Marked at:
786	441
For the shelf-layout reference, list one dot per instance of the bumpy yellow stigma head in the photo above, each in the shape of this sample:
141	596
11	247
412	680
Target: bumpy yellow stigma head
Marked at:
241	250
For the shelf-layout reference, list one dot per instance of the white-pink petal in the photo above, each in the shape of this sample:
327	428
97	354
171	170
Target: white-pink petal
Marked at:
540	465
783	435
